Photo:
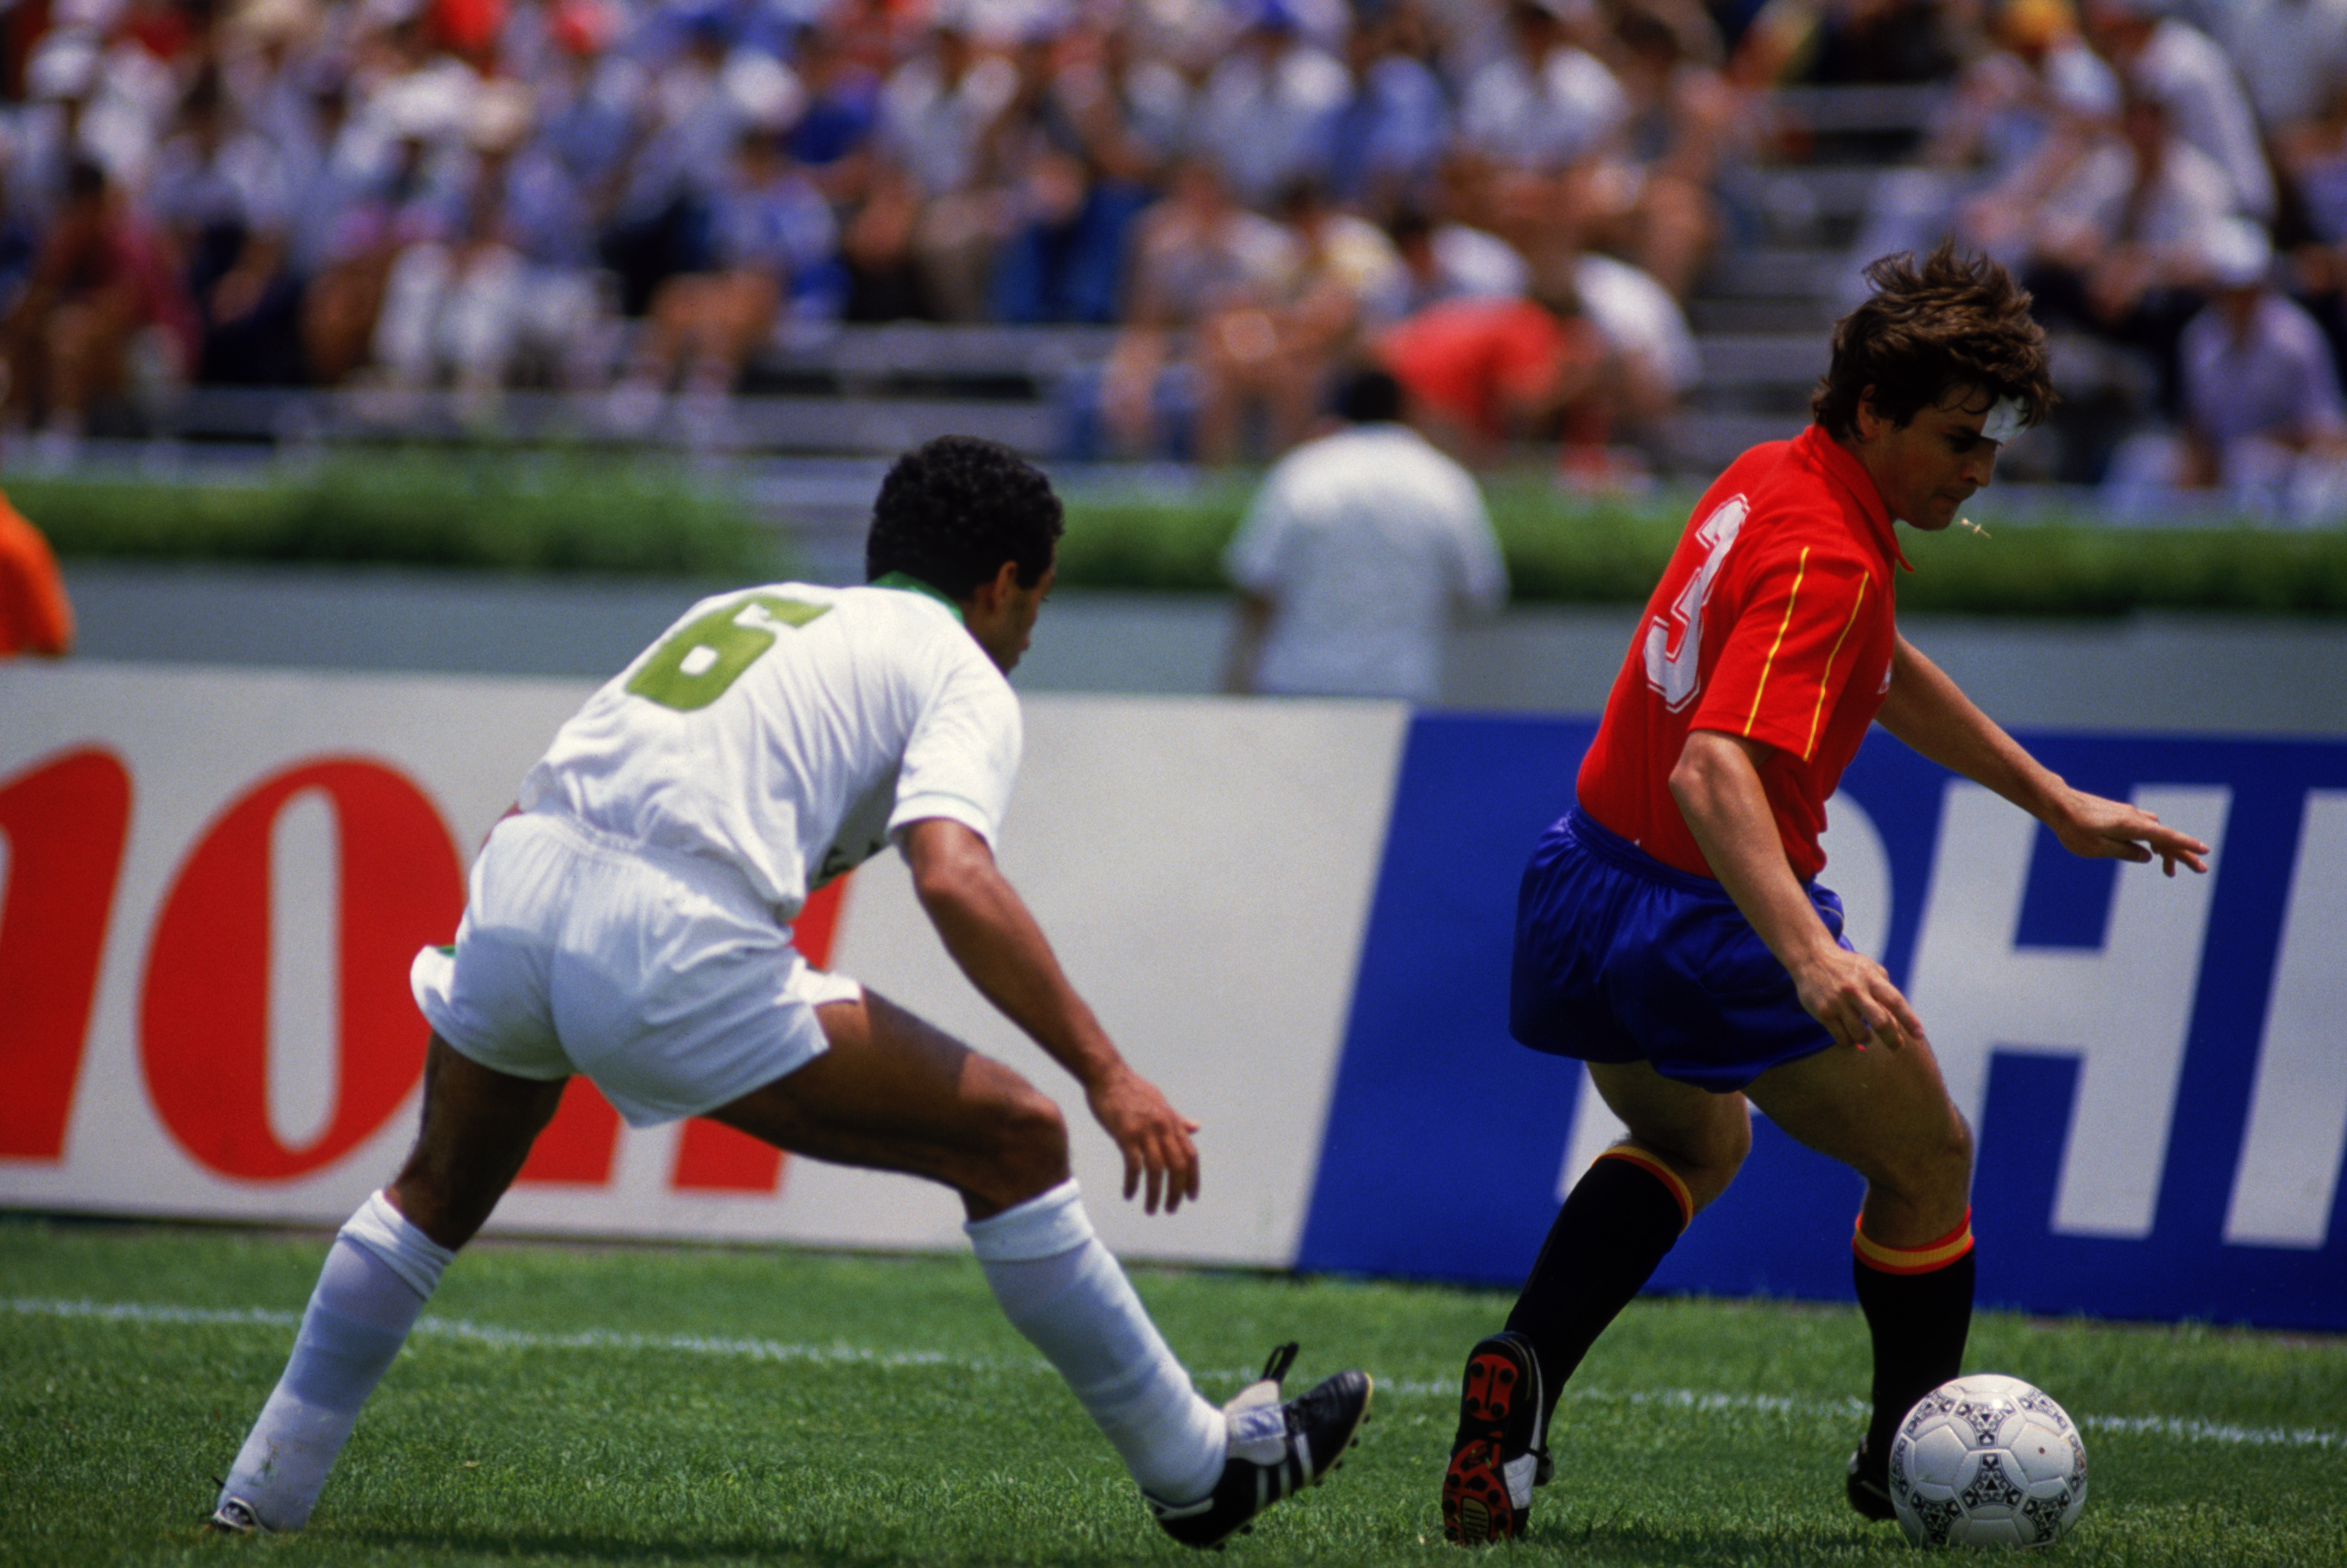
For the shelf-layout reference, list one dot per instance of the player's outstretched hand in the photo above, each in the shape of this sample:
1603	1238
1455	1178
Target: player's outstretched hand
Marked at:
1154	1137
1852	996
2102	829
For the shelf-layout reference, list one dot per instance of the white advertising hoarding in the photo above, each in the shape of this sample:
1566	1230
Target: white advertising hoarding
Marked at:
216	879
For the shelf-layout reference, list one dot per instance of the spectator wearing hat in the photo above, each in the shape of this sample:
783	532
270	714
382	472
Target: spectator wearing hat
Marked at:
393	176
2021	115
52	130
2263	424
1268	106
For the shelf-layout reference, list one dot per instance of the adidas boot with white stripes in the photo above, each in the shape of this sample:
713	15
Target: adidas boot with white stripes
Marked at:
1275	1451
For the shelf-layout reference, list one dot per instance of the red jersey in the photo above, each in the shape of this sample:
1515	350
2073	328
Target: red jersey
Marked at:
1775	621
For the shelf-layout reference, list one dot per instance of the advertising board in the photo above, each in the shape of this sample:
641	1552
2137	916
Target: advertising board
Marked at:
216	882
2156	1070
1293	916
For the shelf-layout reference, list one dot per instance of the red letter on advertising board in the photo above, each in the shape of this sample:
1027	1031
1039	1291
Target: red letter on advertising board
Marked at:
204	1007
579	1145
66	820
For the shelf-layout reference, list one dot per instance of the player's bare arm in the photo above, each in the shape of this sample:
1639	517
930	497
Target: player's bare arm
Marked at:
1929	713
1717	786
994	937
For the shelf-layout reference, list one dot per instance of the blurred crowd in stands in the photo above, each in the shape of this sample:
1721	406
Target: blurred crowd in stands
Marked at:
2169	180
1506	202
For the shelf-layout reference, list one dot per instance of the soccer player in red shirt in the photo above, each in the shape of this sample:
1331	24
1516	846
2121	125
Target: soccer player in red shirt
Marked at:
1670	932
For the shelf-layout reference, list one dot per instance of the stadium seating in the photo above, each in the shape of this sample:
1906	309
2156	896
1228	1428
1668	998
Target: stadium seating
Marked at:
1759	314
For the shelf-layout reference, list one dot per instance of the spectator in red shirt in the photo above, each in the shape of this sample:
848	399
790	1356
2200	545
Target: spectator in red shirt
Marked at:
1485	374
99	280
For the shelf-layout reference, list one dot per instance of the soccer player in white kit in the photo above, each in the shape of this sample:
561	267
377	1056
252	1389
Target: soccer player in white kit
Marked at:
631	921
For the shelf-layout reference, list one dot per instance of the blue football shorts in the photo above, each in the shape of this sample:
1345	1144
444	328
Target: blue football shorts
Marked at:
1620	957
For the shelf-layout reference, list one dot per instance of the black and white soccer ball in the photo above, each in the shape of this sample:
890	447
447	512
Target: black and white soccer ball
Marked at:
1987	1461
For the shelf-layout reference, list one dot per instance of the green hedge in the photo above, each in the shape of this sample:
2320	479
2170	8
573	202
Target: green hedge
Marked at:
575	512
1565	549
480	512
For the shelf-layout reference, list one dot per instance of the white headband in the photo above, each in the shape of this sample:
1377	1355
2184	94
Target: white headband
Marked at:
2003	422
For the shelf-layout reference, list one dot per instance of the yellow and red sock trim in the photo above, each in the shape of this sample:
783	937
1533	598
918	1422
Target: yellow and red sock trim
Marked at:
1928	1258
1631	1154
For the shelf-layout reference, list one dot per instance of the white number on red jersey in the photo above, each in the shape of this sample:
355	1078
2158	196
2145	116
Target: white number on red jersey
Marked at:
1674	646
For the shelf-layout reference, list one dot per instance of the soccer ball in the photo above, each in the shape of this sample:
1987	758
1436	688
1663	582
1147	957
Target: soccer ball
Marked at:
1987	1461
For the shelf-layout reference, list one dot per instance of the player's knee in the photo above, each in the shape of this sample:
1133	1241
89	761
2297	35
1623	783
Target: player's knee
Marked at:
1708	1162
1935	1163
1719	1140
1030	1140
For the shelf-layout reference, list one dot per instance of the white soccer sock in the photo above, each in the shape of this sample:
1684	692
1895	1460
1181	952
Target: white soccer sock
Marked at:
1063	1291
378	1276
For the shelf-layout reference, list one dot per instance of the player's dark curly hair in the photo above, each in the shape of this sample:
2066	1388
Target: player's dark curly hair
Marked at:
1931	328
952	510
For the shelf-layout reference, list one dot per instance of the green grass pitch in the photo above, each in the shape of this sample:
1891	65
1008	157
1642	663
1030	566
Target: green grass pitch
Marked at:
636	1405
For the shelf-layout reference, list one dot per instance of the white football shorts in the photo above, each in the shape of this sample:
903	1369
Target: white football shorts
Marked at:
661	975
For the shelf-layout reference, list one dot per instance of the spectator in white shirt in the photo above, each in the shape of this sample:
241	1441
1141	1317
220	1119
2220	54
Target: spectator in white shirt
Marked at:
1357	556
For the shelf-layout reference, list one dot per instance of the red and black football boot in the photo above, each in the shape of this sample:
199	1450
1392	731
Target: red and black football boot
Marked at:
1498	1453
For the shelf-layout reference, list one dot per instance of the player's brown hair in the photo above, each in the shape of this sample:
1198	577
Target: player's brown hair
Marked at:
1930	329
953	509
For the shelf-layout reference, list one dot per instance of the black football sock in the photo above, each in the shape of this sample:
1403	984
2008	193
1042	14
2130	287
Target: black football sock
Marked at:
1918	1303
1615	1227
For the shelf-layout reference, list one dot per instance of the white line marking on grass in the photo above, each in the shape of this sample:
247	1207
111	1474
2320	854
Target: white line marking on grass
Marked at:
702	1345
140	1312
1675	1399
2177	1427
2215	1432
518	1338
2174	1427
